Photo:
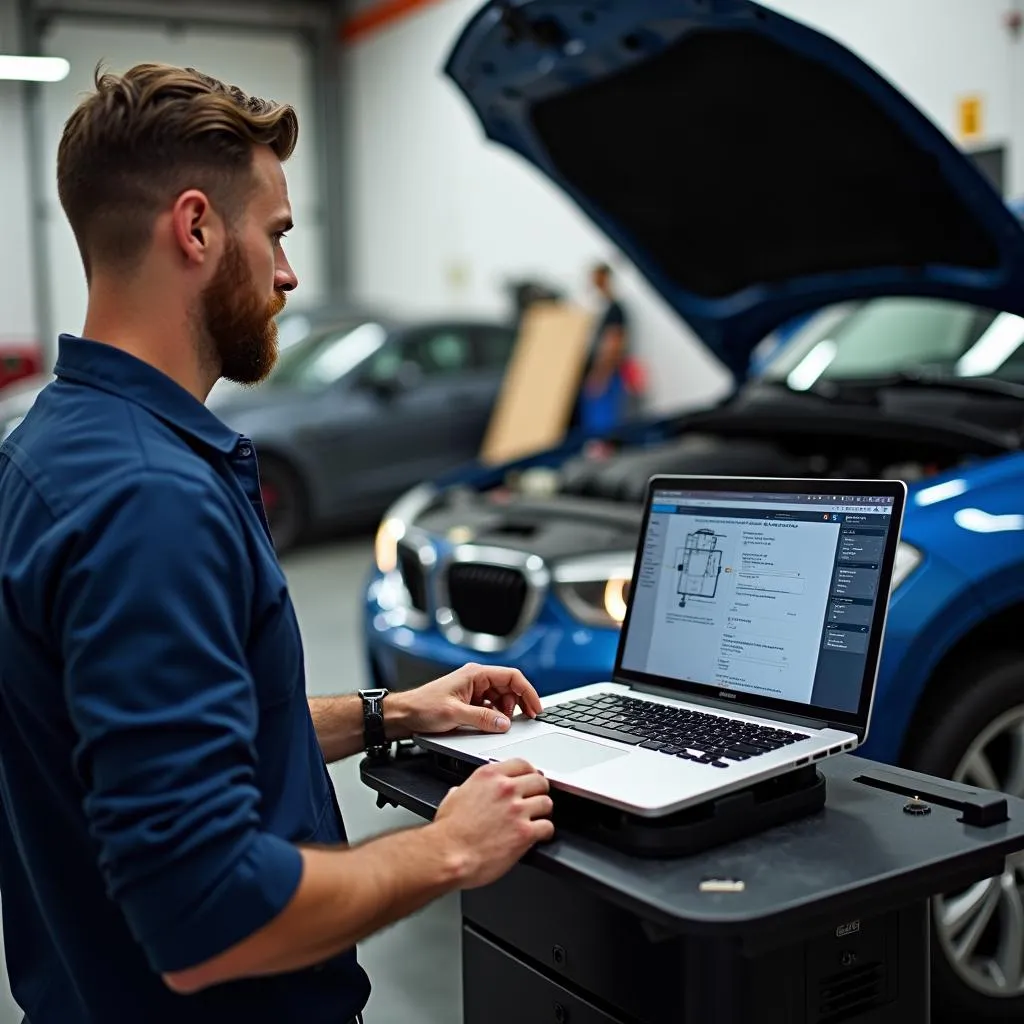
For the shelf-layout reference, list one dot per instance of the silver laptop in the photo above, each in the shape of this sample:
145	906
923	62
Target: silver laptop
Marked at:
749	647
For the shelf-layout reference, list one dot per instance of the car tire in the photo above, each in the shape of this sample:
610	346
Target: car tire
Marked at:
972	730
285	502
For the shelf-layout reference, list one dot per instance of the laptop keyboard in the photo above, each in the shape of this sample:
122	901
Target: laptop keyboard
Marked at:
680	732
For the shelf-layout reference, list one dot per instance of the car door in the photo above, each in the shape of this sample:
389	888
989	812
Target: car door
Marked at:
430	407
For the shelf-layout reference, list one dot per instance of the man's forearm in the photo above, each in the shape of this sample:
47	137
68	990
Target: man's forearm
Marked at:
338	722
344	896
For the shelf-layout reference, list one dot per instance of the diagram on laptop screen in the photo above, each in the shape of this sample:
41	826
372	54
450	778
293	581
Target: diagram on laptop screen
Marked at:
699	564
733	601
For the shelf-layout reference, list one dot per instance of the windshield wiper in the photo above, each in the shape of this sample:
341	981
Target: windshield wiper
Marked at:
867	388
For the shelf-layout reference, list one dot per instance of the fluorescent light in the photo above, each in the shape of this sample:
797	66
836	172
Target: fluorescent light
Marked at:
33	69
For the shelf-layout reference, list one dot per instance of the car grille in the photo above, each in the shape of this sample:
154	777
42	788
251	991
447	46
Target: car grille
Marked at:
486	598
413	576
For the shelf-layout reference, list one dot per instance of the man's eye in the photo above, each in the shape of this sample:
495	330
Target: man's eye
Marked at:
279	237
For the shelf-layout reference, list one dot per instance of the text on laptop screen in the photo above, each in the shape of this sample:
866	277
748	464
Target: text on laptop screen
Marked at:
767	594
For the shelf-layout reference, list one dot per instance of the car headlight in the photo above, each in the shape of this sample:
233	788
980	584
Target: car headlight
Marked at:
385	544
595	589
908	558
396	523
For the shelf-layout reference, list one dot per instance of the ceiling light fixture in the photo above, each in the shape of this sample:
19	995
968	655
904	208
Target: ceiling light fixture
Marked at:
33	69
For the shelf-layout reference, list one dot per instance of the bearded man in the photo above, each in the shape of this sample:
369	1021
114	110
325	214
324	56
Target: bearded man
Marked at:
171	848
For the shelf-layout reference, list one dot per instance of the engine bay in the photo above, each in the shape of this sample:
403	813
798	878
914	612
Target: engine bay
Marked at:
592	502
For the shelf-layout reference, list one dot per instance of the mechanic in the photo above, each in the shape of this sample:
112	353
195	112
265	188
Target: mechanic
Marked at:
612	382
171	848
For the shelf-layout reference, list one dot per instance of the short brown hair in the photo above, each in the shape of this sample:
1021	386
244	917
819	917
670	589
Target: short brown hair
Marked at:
144	137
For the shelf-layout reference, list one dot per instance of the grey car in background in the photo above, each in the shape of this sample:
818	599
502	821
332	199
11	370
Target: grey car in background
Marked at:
359	408
363	407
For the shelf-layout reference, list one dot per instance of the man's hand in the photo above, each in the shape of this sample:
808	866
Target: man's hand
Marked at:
481	697
491	820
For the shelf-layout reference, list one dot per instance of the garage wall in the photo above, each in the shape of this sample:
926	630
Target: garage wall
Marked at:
273	65
439	217
16	278
939	52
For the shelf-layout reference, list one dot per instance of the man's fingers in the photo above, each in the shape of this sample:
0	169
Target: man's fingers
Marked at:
539	806
532	785
542	829
506	681
486	719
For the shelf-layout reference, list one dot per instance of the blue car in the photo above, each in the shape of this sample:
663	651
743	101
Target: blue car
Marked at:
759	175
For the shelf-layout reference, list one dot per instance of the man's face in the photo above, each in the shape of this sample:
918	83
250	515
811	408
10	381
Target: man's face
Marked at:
247	292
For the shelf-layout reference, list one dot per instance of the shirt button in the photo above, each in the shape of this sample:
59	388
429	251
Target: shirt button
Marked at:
245	451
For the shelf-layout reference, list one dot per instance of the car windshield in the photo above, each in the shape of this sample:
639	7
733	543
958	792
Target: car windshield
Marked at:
893	336
327	355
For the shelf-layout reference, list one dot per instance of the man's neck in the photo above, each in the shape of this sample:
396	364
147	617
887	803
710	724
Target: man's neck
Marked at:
154	335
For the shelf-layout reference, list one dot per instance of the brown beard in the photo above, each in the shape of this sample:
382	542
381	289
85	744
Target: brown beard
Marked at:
238	323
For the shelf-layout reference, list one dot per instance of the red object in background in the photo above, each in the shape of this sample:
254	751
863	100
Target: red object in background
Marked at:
634	376
19	359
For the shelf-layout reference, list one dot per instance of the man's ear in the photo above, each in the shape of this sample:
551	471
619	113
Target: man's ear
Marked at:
192	219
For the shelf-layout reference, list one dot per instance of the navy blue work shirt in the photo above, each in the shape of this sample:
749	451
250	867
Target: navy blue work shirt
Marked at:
158	761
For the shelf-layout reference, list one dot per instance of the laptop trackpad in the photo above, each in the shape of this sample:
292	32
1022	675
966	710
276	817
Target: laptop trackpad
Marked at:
558	753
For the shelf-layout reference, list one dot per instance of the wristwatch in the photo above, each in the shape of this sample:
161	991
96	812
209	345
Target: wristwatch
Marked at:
374	738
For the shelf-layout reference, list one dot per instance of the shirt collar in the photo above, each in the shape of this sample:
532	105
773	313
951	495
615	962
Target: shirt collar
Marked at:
110	369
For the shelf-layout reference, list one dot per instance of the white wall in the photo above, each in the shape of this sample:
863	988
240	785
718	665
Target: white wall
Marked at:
440	217
18	319
274	66
937	52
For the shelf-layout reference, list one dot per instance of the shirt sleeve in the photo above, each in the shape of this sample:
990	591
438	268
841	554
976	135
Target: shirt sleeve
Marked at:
152	613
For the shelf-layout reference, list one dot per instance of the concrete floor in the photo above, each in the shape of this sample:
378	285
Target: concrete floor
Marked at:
414	965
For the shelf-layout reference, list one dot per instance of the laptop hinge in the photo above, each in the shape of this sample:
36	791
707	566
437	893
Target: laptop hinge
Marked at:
721	705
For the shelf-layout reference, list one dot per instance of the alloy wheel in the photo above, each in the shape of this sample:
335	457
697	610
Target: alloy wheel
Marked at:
981	928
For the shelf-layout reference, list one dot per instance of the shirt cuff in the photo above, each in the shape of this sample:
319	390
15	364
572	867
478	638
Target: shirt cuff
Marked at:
259	885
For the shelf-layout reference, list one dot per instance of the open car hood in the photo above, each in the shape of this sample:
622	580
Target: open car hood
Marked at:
750	167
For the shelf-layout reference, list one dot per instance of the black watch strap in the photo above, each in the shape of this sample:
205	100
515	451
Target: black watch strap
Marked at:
374	738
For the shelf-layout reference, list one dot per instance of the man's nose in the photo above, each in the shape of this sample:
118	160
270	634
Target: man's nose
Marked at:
284	278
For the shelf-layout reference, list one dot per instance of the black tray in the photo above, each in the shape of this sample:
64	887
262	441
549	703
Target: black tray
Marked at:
784	798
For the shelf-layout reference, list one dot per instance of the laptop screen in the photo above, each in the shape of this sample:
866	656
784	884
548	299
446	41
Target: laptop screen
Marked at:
761	594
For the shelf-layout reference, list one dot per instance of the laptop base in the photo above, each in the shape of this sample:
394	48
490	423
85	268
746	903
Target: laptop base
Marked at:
725	819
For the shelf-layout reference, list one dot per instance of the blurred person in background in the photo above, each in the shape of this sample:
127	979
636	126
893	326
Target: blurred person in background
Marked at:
613	383
171	848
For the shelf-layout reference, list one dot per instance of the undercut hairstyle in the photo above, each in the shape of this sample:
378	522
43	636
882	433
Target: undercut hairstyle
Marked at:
144	137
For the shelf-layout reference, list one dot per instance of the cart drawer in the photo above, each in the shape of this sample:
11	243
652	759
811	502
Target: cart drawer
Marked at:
499	989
